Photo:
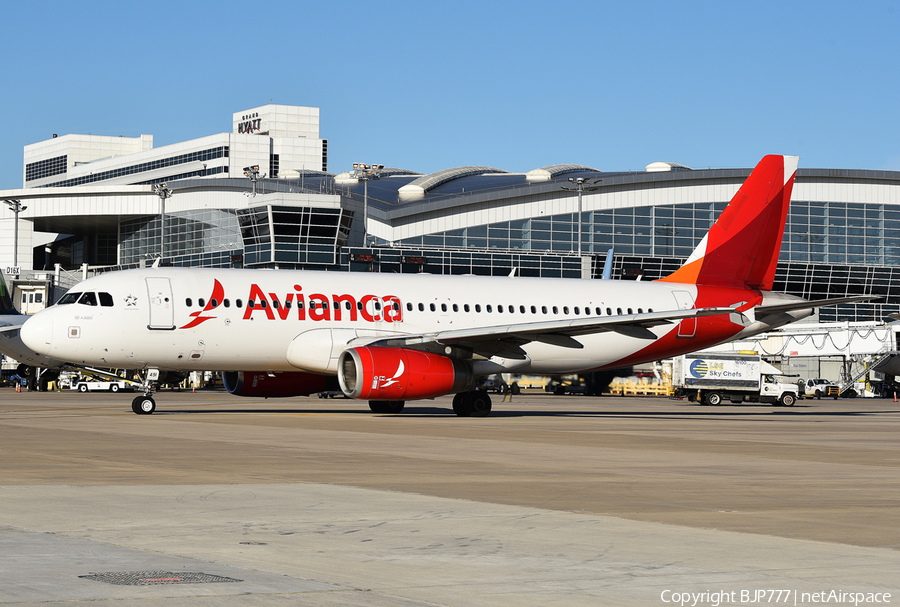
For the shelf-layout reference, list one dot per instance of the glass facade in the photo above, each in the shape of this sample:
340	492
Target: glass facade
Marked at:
197	235
293	235
828	250
46	168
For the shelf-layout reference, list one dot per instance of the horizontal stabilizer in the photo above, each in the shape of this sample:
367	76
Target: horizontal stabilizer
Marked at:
810	304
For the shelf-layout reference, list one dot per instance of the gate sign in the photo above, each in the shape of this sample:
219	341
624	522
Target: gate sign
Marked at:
13	270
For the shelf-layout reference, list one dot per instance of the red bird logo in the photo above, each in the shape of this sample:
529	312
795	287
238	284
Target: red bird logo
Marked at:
215	300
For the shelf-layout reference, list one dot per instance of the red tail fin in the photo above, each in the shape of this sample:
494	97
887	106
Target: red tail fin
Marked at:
741	249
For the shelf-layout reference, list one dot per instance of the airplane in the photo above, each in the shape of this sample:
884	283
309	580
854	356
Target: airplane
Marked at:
11	345
392	338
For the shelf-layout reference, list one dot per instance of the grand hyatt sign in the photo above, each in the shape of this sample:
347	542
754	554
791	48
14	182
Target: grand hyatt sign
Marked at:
249	123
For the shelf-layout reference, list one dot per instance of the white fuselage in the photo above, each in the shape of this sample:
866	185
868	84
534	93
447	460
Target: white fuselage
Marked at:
164	317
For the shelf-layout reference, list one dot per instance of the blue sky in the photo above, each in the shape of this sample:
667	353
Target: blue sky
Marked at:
428	86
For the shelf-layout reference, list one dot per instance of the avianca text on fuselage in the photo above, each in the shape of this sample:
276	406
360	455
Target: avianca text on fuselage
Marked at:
297	305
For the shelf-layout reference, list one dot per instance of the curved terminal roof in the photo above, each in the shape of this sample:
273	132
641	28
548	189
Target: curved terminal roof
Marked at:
548	172
658	167
347	176
416	189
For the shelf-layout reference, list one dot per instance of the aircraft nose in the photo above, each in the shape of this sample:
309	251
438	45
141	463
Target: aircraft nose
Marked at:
37	333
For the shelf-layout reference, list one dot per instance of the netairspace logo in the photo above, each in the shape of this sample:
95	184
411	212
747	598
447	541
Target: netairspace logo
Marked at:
773	597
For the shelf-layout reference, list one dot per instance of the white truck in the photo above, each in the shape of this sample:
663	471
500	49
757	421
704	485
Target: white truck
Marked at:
818	387
83	385
713	378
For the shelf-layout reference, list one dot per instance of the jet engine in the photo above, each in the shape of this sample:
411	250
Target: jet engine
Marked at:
262	384
396	374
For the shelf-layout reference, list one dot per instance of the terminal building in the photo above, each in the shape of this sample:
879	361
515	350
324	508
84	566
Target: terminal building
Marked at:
265	196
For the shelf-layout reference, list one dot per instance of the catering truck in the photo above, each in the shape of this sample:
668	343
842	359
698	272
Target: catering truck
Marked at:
710	379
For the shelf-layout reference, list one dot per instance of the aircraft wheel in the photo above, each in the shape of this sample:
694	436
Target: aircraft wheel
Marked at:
788	400
459	404
478	403
82	388
714	399
143	405
514	389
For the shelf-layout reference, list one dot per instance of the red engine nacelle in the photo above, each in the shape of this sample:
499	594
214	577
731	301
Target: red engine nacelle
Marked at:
260	383
377	373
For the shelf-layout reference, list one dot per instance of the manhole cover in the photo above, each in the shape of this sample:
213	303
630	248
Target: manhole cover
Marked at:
155	578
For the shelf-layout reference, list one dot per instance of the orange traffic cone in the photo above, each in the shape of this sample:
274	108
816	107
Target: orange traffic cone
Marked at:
18	387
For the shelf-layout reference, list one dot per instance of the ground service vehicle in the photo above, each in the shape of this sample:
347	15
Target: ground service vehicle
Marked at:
83	385
713	378
821	387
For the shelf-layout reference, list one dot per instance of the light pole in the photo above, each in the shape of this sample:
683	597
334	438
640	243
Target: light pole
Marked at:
16	207
365	173
252	173
163	191
581	185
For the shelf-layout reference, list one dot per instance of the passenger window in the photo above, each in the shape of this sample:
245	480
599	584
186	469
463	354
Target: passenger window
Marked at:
630	311
106	300
609	311
478	307
226	302
443	307
188	302
640	311
396	306
275	304
466	307
511	309
263	304
287	305
201	302
377	305
649	310
565	309
68	298
533	310
499	310
555	310
487	308
348	306
597	311
214	302
619	311
408	306
543	309
432	307
359	305
88	299
239	303
577	310
455	308
251	303
421	307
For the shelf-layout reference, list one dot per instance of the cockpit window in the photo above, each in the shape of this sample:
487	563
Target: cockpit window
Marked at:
68	298
88	299
106	300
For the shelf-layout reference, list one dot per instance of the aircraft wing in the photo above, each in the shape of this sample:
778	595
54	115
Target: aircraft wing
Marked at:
10	325
506	340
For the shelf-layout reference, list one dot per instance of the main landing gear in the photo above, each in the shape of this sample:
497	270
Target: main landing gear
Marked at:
472	404
143	405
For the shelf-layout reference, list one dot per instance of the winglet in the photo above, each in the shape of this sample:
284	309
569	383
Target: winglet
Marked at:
741	249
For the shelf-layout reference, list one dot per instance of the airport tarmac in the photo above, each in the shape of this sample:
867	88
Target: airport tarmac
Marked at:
217	500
